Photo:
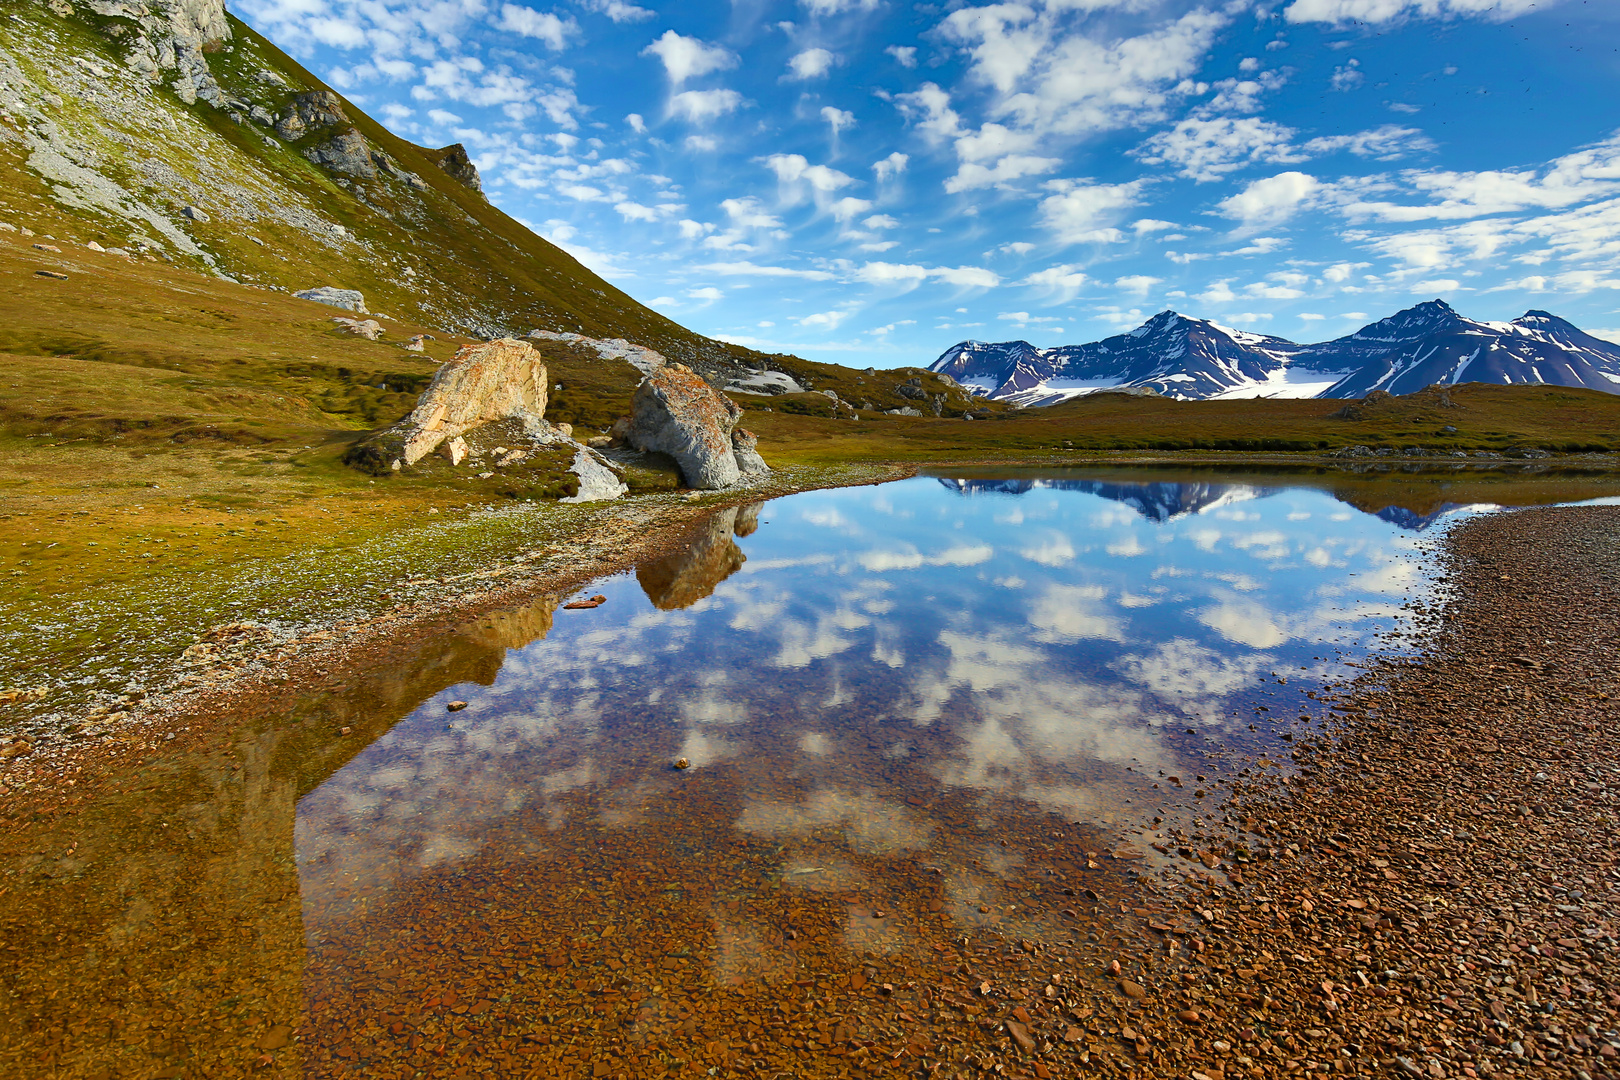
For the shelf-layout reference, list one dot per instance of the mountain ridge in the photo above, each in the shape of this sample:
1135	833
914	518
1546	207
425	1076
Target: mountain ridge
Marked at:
1188	358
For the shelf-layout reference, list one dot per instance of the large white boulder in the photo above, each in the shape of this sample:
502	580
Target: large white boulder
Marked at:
676	413
503	379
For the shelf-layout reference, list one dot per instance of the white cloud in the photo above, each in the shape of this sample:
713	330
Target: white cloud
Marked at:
1271	200
811	64
637	124
884	273
1062	282
1066	613
688	57
1205	150
541	25
837	119
1347	77
748	269
795	169
1137	283
890	167
1380	11
699	106
617	10
838	7
971	176
1083	212
848	208
904	55
1386	143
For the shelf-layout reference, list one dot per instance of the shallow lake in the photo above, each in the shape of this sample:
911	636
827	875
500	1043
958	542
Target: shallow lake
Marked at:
931	734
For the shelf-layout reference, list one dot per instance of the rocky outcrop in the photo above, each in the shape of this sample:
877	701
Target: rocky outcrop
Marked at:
497	380
640	357
347	299
675	412
745	448
346	152
160	36
311	111
454	161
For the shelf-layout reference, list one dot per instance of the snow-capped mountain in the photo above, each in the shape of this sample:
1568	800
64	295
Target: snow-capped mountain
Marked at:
1188	358
1431	343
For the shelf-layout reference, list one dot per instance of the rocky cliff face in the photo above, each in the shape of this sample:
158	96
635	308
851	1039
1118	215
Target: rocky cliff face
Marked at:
164	36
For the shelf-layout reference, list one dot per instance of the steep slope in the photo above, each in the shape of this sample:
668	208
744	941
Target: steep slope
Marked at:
1431	344
1196	359
173	131
1177	356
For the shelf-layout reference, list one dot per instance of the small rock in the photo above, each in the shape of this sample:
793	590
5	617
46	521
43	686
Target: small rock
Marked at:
93	246
50	274
1132	989
1021	1036
682	763
194	213
343	731
456	706
47	247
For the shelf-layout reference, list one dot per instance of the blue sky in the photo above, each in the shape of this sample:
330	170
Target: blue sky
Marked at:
871	181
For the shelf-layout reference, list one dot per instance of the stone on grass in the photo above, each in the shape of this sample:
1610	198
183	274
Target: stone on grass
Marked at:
348	299
676	413
370	329
745	447
503	379
597	482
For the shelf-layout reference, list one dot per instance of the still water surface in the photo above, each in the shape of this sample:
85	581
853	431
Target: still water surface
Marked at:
913	715
933	728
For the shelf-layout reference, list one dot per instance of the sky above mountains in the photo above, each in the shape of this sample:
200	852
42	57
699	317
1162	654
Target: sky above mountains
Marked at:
871	181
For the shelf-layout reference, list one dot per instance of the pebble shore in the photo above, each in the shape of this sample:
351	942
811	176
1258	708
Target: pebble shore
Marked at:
1434	893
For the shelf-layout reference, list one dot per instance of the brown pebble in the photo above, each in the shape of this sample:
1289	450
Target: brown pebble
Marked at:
1132	990
456	706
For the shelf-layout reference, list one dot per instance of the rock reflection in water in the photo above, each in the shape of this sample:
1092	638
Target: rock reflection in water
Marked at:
691	574
161	931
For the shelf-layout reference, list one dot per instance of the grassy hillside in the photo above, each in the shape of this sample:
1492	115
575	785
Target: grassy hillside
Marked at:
89	151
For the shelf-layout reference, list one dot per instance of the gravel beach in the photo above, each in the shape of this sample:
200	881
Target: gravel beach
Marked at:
1435	892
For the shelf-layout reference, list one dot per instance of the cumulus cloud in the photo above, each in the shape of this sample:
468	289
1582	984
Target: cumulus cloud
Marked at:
1272	200
904	55
688	57
890	167
699	106
1205	149
903	274
1083	212
542	25
811	64
617	10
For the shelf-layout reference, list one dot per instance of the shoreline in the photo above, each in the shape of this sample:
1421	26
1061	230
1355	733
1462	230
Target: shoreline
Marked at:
184	715
1436	891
